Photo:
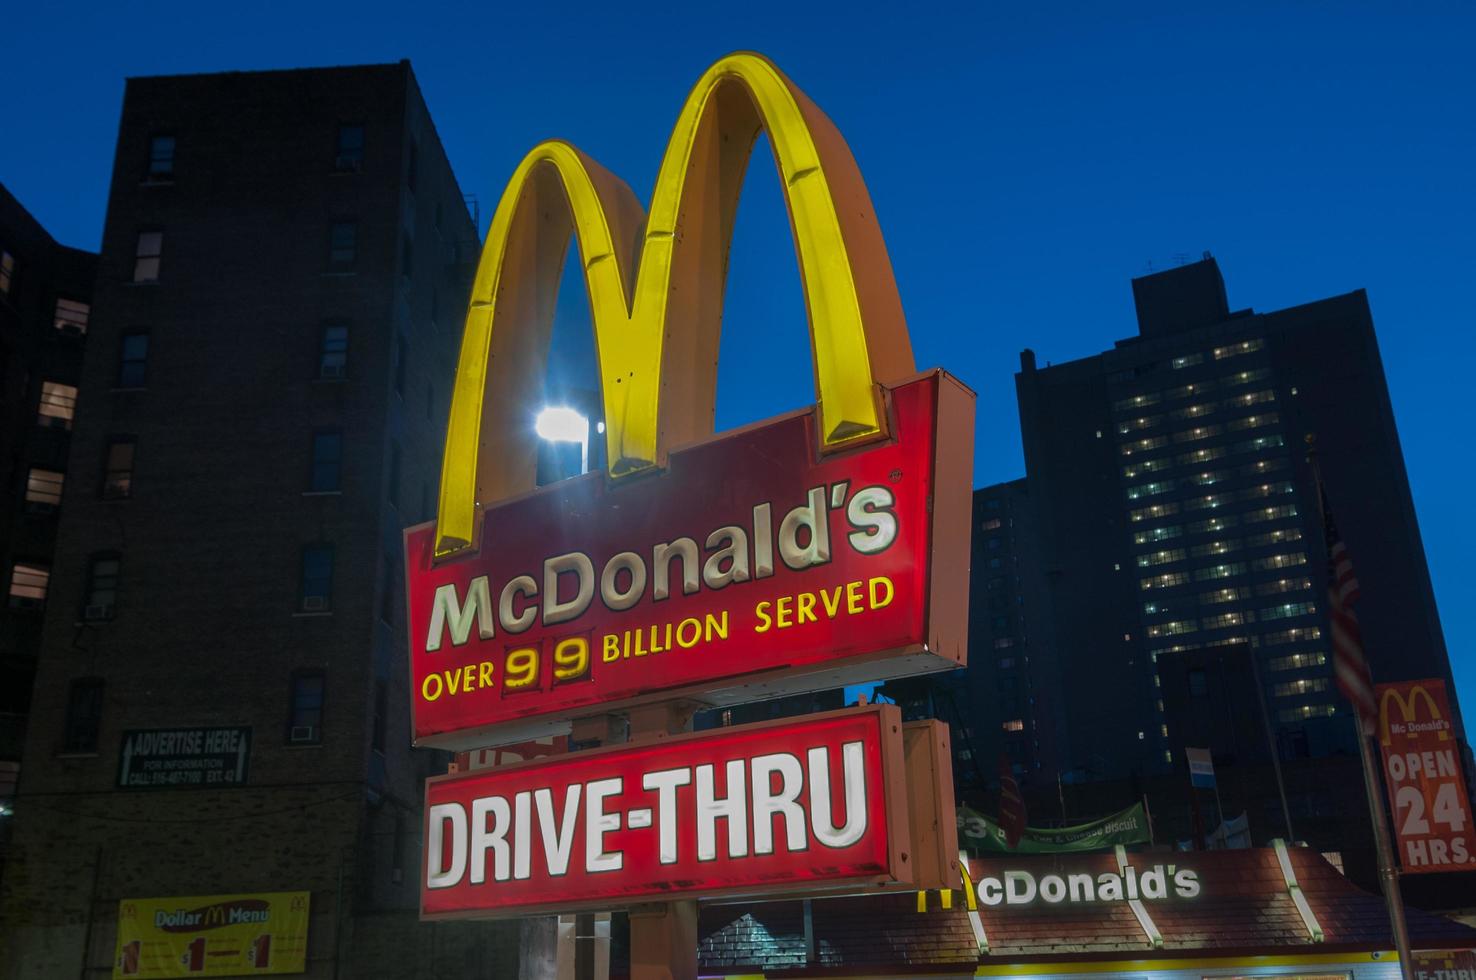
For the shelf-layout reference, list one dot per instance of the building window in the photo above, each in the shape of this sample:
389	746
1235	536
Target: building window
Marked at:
58	405
7	271
316	591
343	246
117	481
327	470
43	490
84	715
381	715
28	584
161	157
333	352
102	586
133	360
147	256
349	157
1014	725
70	316
305	712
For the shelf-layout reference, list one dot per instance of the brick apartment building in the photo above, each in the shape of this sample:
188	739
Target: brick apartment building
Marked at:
45	300
284	267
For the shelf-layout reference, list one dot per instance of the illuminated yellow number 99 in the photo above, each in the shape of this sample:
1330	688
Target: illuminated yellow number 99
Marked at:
521	669
571	658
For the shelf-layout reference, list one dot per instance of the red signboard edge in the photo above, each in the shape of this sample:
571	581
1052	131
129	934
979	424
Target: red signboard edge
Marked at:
893	783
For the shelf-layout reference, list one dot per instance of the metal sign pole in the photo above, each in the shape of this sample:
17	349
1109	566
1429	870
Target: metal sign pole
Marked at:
663	935
1388	871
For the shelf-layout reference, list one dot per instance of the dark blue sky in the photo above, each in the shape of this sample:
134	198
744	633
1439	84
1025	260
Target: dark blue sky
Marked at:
1026	160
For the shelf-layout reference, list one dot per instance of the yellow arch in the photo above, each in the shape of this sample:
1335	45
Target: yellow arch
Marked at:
655	289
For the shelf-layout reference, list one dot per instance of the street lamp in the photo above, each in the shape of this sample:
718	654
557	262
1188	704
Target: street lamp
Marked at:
562	424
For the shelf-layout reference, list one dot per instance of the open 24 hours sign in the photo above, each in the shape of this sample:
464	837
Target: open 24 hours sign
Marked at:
751	566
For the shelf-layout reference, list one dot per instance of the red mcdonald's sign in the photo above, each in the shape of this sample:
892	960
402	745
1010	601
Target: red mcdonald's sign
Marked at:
811	804
1422	769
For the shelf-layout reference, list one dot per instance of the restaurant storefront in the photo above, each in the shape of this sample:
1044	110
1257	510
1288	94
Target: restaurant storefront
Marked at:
1155	915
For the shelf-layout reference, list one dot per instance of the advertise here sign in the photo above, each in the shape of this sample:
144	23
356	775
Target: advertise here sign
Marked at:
814	804
212	935
1422	770
175	758
749	567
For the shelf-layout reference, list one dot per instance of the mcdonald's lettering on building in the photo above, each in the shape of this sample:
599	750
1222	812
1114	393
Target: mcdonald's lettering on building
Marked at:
824	547
813	804
1422	770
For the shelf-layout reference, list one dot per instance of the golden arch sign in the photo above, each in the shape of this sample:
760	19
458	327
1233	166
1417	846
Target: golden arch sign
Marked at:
655	284
824	547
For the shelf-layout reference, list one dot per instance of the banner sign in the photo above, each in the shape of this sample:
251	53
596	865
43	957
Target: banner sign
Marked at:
1201	768
212	935
506	755
980	835
188	758
751	566
1422	770
1444	964
812	804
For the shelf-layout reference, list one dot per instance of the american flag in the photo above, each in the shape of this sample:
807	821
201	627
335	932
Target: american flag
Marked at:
1011	803
1350	666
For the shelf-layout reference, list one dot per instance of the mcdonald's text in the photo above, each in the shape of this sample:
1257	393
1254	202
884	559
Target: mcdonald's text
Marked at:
1422	770
807	804
751	566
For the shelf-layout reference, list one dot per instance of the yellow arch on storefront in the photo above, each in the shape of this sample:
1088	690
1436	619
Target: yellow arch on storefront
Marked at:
655	288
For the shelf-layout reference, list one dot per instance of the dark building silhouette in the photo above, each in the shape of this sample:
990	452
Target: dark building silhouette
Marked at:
1177	512
284	269
45	305
1168	535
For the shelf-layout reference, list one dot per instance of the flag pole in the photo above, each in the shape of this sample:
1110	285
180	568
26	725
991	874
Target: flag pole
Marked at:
1388	870
1271	743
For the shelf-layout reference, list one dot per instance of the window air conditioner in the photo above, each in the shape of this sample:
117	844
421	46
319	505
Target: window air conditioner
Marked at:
314	603
304	733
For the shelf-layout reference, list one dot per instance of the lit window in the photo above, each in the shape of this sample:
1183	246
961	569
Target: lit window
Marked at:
305	711
1014	725
1304	685
1161	557
1279	561
1307	711
1004	643
1173	628
1188	360
350	155
327	468
1234	350
1219	571
1295	635
990	524
1157	510
1214	524
43	490
1226	619
118	468
1223	595
146	258
1197	433
28	585
70	316
84	715
1165	581
343	246
133	360
1284	585
102	586
58	405
161	157
316	591
1297	661
7	271
1253	421
1289	610
333	352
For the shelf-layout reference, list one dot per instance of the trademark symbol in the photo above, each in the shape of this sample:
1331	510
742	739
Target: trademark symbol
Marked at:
895	475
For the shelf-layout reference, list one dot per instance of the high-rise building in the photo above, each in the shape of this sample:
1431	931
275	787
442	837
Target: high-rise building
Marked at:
1169	530
45	302
1177	511
285	262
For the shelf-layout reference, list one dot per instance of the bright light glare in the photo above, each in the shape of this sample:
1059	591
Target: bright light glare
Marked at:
557	424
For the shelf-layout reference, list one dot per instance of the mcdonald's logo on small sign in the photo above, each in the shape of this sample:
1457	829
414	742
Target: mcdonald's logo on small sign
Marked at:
824	547
1422	770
